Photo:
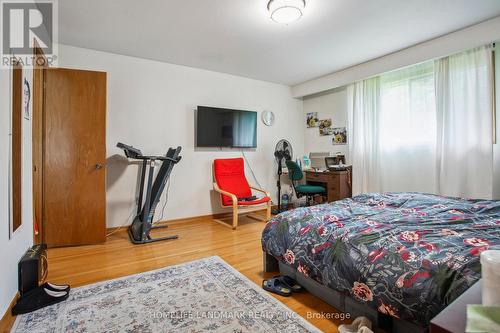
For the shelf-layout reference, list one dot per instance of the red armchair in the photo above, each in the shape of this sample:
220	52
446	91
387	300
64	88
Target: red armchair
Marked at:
231	183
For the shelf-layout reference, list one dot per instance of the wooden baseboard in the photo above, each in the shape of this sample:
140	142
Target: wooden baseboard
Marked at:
8	319
199	218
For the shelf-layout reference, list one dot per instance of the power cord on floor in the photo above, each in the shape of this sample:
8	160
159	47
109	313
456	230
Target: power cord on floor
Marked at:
251	170
165	203
123	225
134	210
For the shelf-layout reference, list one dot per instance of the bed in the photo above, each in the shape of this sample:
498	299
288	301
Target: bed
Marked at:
405	256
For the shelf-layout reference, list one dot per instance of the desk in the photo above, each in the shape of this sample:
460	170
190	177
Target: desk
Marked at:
337	183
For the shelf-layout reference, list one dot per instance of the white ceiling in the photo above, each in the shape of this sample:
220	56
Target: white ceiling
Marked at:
237	36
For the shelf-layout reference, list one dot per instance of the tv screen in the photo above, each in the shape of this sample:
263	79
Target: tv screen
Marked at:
217	127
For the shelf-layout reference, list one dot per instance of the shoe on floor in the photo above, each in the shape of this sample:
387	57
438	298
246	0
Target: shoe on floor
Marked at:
275	285
289	283
359	325
56	287
38	298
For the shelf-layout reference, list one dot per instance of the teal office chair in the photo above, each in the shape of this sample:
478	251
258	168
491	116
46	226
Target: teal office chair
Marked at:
295	174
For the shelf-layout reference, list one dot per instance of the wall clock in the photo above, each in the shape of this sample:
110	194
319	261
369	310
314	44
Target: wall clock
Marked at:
268	118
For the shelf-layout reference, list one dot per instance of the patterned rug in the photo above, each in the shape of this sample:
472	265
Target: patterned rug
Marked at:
206	295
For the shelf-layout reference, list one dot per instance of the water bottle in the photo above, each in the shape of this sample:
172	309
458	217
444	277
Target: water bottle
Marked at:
284	201
307	162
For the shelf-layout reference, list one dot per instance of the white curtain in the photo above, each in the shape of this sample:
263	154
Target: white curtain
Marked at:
392	125
407	128
363	106
464	86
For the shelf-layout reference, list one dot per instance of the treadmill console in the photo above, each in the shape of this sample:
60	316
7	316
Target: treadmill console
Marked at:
130	151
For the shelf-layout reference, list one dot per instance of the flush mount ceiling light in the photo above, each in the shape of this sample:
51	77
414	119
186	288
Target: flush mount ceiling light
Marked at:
286	11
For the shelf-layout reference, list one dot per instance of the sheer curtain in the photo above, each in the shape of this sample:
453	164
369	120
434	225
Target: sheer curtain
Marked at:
392	125
425	128
464	85
363	106
407	129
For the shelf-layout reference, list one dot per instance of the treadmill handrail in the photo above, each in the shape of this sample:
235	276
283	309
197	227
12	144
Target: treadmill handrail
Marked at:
135	154
156	158
161	158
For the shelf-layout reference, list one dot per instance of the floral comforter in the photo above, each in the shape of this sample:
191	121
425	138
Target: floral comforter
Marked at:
406	254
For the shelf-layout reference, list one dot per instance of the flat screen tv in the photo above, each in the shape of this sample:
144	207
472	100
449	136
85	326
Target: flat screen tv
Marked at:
217	127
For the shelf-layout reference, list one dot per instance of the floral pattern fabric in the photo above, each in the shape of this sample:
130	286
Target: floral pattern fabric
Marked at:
407	255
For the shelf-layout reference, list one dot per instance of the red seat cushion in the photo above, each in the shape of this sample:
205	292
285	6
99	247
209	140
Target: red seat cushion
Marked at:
230	176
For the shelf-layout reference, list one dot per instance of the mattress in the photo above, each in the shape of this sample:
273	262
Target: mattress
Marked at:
407	255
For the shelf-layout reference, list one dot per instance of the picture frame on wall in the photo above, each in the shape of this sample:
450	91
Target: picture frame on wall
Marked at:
312	120
326	131
9	164
16	118
325	123
325	127
339	136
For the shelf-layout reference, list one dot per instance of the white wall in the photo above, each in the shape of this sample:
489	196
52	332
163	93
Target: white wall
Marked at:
332	104
12	249
151	106
455	42
496	147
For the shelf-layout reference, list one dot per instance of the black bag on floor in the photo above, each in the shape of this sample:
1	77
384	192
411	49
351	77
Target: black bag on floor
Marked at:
32	268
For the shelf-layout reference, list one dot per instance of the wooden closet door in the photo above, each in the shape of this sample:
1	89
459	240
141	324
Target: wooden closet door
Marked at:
74	182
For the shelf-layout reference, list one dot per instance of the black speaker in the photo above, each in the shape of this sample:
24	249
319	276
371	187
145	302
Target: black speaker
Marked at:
32	268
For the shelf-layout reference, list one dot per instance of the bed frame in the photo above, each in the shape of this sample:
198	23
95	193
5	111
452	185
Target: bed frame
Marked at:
341	301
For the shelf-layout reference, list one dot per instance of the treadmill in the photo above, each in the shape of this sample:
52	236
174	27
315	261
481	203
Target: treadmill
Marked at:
140	229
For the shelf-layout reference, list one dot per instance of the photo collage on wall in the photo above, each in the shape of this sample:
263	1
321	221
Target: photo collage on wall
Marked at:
339	134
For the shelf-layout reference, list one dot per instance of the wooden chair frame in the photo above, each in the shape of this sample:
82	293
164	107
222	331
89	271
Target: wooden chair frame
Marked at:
244	208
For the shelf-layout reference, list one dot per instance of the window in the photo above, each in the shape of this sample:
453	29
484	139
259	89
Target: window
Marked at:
407	108
425	128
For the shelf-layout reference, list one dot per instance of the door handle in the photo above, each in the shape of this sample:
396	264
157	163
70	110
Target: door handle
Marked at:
98	166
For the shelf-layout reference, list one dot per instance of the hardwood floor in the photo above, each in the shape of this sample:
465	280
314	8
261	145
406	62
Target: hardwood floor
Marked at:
198	238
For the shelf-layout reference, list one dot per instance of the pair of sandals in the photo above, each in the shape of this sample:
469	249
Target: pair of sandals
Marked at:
45	295
359	325
282	285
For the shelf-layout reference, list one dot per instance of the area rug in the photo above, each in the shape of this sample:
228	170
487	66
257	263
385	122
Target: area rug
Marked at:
206	295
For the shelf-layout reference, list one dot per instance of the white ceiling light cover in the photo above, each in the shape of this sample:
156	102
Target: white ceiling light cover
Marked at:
286	11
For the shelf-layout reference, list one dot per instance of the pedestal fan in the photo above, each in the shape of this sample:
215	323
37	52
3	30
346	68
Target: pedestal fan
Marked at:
283	152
